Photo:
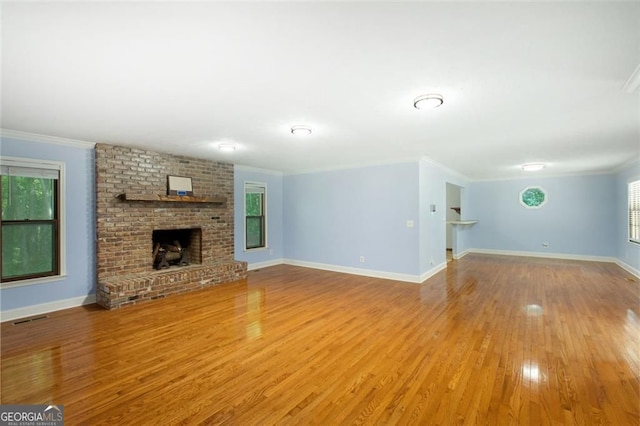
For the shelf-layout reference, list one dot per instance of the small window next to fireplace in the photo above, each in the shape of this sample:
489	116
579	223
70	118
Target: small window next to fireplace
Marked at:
176	247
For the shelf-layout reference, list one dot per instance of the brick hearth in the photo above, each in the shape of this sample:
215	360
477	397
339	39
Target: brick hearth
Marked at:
124	227
128	289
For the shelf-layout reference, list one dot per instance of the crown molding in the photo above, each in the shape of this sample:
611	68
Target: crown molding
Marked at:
353	166
632	85
444	168
35	137
548	176
633	161
250	169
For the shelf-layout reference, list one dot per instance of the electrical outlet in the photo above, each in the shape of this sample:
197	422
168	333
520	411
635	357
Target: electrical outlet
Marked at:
433	262
270	251
361	259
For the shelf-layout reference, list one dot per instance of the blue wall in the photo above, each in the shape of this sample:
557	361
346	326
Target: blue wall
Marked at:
335	217
273	180
579	217
433	236
80	225
627	252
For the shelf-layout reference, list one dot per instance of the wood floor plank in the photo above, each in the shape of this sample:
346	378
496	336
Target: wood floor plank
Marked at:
490	340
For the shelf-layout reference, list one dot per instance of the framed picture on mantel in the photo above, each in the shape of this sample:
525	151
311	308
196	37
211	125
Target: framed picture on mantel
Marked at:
179	185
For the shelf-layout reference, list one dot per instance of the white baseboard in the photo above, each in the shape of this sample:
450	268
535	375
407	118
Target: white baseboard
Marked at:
45	308
355	271
457	256
628	268
258	265
431	272
606	259
545	255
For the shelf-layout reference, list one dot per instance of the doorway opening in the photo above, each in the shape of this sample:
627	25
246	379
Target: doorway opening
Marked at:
453	211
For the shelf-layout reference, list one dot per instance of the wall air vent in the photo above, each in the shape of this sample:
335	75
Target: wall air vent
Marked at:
28	320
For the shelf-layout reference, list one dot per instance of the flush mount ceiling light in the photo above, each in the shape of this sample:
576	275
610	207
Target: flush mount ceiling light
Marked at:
226	147
532	167
429	101
300	130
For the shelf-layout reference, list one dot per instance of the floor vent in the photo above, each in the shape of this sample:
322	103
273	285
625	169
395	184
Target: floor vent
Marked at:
28	320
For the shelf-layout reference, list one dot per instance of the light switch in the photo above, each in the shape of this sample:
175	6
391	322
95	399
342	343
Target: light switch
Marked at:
409	224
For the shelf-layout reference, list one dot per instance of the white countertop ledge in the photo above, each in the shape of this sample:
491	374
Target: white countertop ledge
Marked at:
462	222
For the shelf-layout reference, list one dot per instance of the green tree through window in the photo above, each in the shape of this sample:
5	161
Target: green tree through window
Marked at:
533	197
255	217
29	223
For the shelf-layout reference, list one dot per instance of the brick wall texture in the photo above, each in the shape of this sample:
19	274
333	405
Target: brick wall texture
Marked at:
124	228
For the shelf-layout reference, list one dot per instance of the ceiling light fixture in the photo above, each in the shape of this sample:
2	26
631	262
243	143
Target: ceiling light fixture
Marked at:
300	130
532	167
226	147
428	101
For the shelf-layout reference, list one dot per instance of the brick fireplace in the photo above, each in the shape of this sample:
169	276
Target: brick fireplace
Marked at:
134	214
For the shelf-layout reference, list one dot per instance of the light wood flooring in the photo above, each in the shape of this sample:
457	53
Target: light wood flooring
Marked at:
492	340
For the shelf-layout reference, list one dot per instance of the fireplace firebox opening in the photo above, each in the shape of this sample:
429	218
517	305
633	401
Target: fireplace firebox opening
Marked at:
176	247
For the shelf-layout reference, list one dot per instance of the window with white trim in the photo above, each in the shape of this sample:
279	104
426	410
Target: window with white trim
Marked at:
30	223
255	215
533	197
634	212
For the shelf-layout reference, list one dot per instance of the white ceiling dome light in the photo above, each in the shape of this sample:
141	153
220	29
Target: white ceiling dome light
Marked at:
226	147
533	167
428	101
301	130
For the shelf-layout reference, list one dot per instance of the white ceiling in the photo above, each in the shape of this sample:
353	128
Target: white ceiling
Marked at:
521	81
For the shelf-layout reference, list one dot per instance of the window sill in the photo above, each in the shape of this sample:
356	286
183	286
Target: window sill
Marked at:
251	250
32	281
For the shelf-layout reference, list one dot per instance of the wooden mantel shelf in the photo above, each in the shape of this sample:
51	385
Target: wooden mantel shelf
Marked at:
172	198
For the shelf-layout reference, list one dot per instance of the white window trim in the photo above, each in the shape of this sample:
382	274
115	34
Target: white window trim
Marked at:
262	185
62	229
629	182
